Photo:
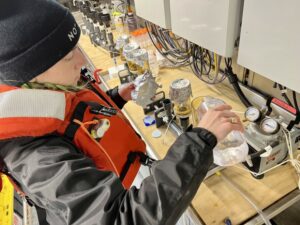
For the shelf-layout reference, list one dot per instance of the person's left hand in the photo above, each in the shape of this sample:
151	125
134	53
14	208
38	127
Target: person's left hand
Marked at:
125	91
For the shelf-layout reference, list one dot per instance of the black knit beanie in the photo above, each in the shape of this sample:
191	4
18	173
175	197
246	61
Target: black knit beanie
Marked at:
34	35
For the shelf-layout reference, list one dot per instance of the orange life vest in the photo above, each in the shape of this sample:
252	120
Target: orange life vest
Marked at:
76	115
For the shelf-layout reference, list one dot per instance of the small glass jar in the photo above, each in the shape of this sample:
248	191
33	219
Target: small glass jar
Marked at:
120	43
141	60
180	93
195	103
128	52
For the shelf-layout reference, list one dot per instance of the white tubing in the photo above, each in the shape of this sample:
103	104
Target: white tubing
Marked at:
245	196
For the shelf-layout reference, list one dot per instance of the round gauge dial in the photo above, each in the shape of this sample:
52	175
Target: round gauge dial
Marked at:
252	114
269	125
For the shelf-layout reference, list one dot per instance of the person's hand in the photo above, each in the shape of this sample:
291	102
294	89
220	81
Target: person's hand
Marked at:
221	121
125	91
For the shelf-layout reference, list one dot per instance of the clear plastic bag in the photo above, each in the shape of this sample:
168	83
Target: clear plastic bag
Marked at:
231	150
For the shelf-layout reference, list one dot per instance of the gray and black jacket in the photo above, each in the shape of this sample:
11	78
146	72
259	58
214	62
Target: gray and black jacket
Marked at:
65	183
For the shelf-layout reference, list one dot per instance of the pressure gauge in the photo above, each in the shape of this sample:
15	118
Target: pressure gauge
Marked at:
252	114
269	126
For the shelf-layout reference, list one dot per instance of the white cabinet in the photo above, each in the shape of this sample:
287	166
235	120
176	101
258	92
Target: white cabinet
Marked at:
270	40
155	11
212	24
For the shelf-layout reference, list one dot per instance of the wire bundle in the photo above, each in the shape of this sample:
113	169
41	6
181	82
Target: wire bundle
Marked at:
202	65
175	49
181	52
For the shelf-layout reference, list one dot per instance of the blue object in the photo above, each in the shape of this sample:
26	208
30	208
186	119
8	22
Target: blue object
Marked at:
149	120
227	221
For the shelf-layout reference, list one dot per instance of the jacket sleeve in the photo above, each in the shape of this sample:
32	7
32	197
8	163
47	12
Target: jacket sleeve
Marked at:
60	179
115	96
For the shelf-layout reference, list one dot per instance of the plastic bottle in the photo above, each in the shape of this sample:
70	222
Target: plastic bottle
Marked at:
146	38
153	63
119	22
131	22
231	150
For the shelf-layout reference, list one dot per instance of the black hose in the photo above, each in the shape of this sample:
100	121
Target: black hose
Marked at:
295	102
235	84
238	90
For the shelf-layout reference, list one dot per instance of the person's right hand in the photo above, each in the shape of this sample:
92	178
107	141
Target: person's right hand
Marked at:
221	121
125	91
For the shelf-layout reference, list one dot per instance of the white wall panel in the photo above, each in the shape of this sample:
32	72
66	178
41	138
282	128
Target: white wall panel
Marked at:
270	40
155	11
212	24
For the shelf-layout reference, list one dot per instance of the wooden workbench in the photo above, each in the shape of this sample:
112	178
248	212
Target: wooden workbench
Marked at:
215	199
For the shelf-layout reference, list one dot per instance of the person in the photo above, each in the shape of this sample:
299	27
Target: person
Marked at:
49	143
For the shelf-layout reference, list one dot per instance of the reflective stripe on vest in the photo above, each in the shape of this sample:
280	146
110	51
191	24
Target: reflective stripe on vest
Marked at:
32	103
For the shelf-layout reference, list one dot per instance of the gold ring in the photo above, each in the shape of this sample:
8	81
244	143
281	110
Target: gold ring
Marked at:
233	120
